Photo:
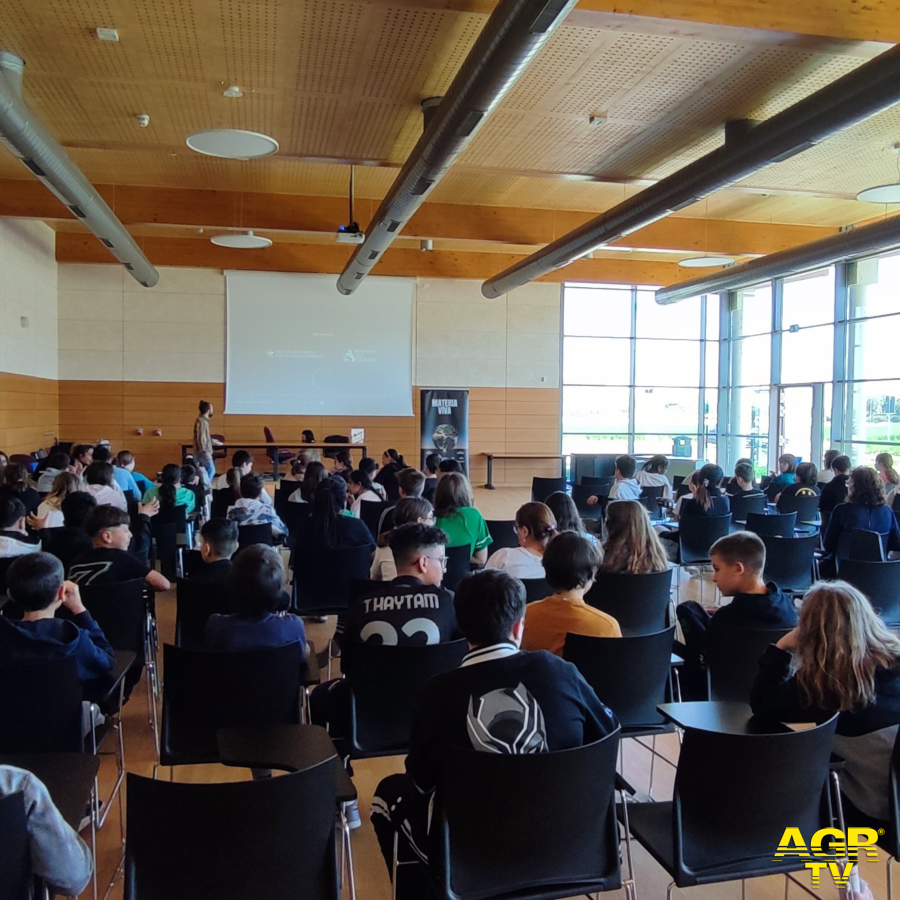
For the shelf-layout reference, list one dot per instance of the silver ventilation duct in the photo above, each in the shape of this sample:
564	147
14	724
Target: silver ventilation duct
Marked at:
23	134
878	237
515	32
869	89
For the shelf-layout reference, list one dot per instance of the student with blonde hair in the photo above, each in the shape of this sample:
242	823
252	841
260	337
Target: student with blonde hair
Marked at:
534	527
49	513
632	546
884	466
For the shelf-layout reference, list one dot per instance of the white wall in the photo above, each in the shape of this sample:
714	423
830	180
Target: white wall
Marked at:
28	275
112	329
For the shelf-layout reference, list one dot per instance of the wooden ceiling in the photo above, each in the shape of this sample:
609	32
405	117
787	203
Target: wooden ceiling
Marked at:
340	81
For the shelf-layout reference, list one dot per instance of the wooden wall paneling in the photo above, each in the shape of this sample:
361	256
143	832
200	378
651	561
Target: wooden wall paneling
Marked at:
29	412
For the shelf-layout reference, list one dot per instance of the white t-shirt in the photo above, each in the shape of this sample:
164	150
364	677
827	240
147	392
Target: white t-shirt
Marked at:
107	496
654	479
383	562
627	489
825	476
517	561
364	497
54	516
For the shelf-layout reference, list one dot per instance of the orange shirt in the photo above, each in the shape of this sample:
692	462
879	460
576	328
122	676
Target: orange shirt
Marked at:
547	622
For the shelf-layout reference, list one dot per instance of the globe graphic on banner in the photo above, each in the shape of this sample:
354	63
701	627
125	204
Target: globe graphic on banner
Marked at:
445	437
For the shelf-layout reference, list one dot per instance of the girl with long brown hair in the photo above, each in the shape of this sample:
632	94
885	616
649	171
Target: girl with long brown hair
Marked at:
534	526
456	516
632	546
49	513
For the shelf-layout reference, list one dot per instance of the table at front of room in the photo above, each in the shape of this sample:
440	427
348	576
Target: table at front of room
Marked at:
189	448
492	456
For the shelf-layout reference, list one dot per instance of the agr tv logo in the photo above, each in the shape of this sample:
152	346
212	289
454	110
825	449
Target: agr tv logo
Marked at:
829	845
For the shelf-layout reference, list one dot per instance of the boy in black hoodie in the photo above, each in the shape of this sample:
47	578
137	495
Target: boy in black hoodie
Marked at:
36	583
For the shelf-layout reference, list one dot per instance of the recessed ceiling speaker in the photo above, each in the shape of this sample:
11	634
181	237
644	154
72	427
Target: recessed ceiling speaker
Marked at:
246	240
232	143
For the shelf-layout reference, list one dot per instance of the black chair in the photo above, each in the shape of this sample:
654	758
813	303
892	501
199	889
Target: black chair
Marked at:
649	495
255	534
696	534
861	544
639	603
502	533
790	562
459	565
165	529
751	503
774	490
15	861
542	488
806	507
221	500
879	581
193	563
598	481
732	659
294	515
385	683
281	497
777	525
580	494
733	794
890	841
486	840
120	609
273	838
370	514
323	578
536	589
206	691
194	604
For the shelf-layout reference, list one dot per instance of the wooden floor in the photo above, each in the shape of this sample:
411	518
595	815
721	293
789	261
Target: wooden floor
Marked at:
371	875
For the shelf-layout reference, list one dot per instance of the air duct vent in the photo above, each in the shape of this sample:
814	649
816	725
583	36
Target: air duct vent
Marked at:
422	187
470	123
108	243
359	276
34	167
792	152
373	254
548	15
77	211
130	268
393	226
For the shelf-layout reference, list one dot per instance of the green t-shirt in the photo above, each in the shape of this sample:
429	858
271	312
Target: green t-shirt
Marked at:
183	497
465	526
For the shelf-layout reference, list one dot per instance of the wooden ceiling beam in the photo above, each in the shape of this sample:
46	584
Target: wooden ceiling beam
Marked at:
318	258
494	224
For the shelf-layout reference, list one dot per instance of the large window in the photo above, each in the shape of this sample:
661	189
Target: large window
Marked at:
638	377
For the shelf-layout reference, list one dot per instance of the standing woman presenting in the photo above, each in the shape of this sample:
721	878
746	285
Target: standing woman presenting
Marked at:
202	438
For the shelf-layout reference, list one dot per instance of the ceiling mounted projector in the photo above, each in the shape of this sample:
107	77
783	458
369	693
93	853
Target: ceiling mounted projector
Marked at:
246	240
705	262
232	143
350	234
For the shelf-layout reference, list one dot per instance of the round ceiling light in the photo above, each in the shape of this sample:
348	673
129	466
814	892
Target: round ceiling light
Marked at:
246	240
882	193
705	262
231	143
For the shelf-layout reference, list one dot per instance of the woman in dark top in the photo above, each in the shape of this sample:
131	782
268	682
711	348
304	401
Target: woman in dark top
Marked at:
840	658
805	484
330	526
15	483
865	509
391	463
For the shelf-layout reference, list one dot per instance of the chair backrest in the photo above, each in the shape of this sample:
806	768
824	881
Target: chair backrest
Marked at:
650	493
121	612
165	537
323	578
244	840
598	481
861	544
40	707
580	494
176	515
15	860
807	508
789	561
629	674
639	603
773	490
385	683
696	534
370	514
732	659
206	691
255	534
770	778
536	589
879	581
542	488
487	841
458	566
752	503
502	534
5	563
222	498
194	604
267	433
777	525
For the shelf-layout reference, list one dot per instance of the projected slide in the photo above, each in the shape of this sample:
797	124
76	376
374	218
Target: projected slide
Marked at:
295	346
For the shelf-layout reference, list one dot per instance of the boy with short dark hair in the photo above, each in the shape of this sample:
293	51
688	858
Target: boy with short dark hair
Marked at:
14	537
72	540
432	461
251	510
446	466
836	490
36	583
219	542
626	486
410	483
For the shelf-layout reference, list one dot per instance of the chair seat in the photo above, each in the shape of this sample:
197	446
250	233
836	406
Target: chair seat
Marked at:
561	889
648	730
651	824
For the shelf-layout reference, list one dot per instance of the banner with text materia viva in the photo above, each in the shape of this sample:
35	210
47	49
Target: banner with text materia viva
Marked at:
445	424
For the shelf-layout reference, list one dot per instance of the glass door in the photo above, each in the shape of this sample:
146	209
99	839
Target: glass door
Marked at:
801	422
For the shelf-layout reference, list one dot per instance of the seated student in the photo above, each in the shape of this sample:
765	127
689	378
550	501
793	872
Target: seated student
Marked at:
826	473
297	471
15	484
707	500
571	564
255	582
835	491
554	709
315	474
566	514
4	460
250	510
890	478
455	514
203	463
626	486
82	456
734	485
653	474
408	510
98	477
410	483
360	488
14	537
36	583
170	492
190	479
218	543
534	527
330	525
432	461
343	464
391	464
841	658
369	465
632	547
805	484
125	460
72	540
57	462
447	467
787	467
57	854
49	513
307	436
109	560
243	462
122	477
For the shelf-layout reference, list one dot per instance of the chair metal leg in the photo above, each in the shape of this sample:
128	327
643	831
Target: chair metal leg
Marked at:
743	889
652	761
669	890
347	854
630	884
889	879
787	885
394	867
95	813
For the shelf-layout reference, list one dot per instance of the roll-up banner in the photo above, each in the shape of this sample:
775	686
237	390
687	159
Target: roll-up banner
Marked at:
445	425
